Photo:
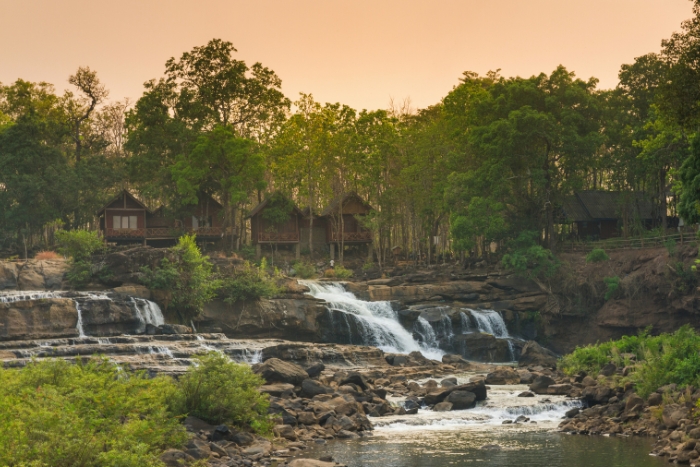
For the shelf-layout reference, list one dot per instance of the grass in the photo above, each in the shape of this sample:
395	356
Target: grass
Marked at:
658	360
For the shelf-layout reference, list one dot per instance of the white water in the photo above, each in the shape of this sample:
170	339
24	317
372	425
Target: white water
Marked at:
79	326
464	322
490	322
377	321
147	313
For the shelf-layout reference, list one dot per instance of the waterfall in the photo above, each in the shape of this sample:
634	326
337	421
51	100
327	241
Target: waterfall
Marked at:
18	296
79	326
147	313
491	322
377	323
464	323
423	328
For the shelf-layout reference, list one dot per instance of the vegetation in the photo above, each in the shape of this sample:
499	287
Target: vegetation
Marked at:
654	360
250	283
530	259
97	415
304	270
613	284
597	255
220	391
79	245
187	276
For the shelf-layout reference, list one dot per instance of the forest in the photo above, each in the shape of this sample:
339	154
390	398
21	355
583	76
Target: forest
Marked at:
496	157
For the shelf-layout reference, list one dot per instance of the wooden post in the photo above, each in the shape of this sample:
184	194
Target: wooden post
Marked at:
332	245
258	251
297	250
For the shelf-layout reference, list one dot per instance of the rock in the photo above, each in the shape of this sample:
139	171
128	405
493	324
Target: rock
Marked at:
8	275
597	394
632	401
176	458
242	438
526	377
307	418
483	347
461	400
443	407
132	290
541	383
572	412
526	394
286	432
673	414
311	388
345	434
173	329
198	449
308	354
608	370
655	399
37	319
275	370
315	370
503	376
558	389
448	382
356	379
450	359
478	388
278	390
533	354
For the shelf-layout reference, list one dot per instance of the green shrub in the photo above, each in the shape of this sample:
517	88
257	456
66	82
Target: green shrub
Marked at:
250	283
597	255
613	284
53	413
661	360
187	275
670	245
368	266
529	259
342	273
304	270
79	245
220	391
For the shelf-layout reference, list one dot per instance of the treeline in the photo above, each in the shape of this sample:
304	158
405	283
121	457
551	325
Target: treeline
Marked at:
495	157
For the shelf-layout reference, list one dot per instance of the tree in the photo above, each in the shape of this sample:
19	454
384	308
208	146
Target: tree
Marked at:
79	110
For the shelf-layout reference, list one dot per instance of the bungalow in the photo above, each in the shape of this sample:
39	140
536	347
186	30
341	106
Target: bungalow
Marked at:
342	224
602	214
275	221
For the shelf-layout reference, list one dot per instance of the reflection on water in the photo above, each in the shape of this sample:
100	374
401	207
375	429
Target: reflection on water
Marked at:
465	447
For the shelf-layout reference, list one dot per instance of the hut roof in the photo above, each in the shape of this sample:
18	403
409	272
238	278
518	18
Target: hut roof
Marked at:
606	205
118	197
257	209
344	199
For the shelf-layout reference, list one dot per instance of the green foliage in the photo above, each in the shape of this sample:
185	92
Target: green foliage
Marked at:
250	283
670	245
187	275
529	259
304	270
612	284
597	255
79	245
53	413
342	273
278	209
661	360
686	278
220	391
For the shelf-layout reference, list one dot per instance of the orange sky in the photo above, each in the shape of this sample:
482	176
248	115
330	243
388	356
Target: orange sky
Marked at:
359	52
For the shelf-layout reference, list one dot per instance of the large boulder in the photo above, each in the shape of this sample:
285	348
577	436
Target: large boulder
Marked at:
478	388
37	319
541	383
533	354
307	354
483	347
503	376
125	266
8	275
41	275
311	388
461	400
275	370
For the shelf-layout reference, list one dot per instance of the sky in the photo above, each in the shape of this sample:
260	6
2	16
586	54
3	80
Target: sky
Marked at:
362	53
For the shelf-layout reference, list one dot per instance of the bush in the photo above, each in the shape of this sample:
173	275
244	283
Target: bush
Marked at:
187	275
304	270
597	255
47	255
613	284
79	245
661	360
250	283
55	413
342	273
220	391
529	259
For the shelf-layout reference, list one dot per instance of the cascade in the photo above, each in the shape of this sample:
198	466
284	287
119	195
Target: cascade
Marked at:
423	328
376	322
147	313
491	322
464	323
79	326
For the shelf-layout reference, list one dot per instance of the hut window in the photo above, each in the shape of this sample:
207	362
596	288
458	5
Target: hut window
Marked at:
125	222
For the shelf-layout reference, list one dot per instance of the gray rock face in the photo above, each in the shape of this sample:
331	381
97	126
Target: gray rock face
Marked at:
483	347
503	376
8	275
461	400
33	275
275	370
311	388
541	383
443	407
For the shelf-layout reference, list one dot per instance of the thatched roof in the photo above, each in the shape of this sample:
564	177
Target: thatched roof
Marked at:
345	199
592	205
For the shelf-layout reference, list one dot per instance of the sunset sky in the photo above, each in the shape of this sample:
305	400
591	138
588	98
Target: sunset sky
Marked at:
360	52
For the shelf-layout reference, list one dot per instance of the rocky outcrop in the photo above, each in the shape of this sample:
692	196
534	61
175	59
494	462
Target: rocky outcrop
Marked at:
293	319
32	275
533	354
275	370
123	267
37	319
307	355
483	347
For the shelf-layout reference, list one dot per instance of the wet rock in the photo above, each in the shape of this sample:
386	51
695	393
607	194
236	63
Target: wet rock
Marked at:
313	462
448	382
345	434
540	384
526	394
443	407
478	388
461	400
483	347
572	413
533	354
503	376
311	388
275	370
315	370
454	360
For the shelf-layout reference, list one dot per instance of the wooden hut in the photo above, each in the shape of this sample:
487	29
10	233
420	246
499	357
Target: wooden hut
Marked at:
280	231
342	224
599	215
123	219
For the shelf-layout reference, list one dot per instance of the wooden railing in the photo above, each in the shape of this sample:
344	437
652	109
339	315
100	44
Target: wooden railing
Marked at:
278	237
162	232
124	233
363	236
636	243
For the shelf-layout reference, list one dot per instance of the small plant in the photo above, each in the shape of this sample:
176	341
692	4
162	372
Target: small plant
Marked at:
597	255
250	283
368	266
304	270
342	273
329	273
218	390
613	284
79	245
47	256
670	245
529	259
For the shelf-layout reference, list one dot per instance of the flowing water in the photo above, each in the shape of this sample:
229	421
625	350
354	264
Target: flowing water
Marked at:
376	322
478	437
